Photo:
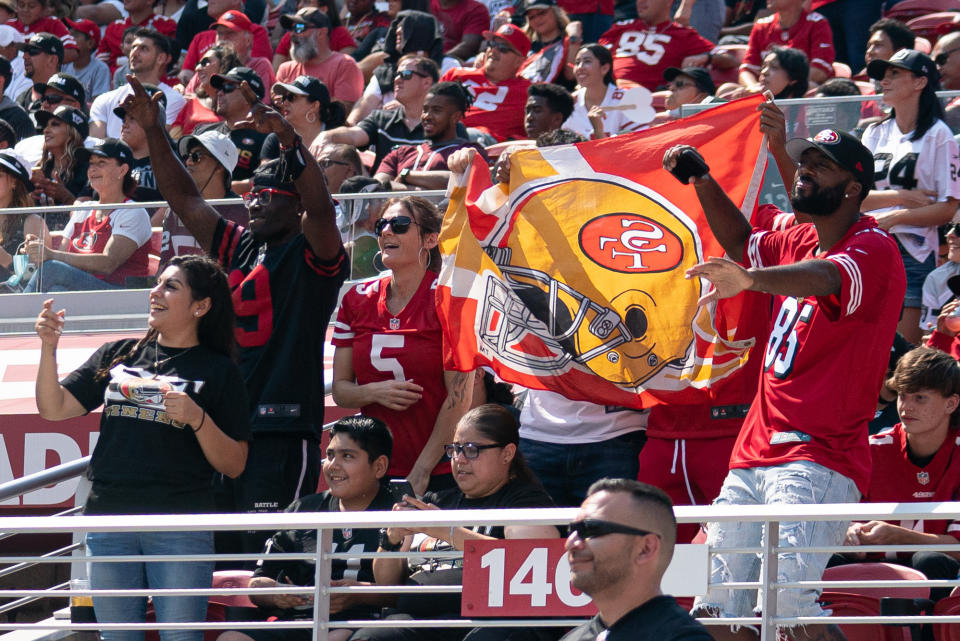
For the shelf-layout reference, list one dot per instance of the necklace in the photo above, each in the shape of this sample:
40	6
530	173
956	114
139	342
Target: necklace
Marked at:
157	364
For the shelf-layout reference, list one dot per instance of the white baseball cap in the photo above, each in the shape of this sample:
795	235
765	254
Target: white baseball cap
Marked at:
9	36
219	145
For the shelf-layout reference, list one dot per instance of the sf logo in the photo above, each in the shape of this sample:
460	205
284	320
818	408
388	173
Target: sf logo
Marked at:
631	244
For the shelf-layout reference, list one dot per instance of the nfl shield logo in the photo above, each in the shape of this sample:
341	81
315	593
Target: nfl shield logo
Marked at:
394	323
923	478
347	532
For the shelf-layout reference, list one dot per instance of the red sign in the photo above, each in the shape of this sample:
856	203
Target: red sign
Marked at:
520	578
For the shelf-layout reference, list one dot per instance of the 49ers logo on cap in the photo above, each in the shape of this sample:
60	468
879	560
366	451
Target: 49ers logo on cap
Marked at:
631	244
827	136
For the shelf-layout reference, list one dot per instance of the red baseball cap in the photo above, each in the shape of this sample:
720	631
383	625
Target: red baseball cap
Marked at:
235	20
88	27
514	36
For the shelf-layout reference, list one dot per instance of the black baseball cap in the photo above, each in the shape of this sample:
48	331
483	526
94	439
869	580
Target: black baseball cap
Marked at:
70	115
700	76
841	148
309	16
908	59
45	42
121	113
112	148
308	86
14	165
238	75
64	83
268	175
538	4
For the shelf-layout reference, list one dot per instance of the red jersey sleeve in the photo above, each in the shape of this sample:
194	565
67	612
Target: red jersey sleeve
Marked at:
759	38
340	39
945	343
343	333
821	50
390	163
192	57
865	262
476	19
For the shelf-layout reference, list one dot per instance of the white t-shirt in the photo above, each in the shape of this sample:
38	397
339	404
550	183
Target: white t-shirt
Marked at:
103	105
131	223
552	418
936	293
914	164
614	122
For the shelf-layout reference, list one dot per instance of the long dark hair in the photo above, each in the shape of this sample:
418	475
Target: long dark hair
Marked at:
428	219
797	66
604	57
331	112
206	279
929	107
499	425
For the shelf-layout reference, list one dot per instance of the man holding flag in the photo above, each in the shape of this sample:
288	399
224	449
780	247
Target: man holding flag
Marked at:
837	287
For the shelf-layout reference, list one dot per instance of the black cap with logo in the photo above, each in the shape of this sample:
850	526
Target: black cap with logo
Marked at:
66	84
842	148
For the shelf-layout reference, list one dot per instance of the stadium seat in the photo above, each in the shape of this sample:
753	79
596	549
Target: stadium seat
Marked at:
933	25
908	9
848	604
215	612
922	45
944	607
232	579
879	572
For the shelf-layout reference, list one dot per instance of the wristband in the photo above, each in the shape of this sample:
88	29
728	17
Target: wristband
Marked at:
386	544
709	57
296	143
293	160
197	428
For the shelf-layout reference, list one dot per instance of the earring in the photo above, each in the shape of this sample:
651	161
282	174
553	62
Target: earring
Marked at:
311	118
378	262
197	314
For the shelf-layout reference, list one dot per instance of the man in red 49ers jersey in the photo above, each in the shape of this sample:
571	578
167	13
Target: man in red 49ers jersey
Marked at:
285	274
918	460
644	48
837	285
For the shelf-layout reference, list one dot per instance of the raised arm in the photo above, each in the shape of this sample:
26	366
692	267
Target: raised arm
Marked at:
174	182
319	225
726	221
54	402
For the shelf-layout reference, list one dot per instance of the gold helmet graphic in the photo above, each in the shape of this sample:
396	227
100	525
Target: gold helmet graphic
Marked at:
624	312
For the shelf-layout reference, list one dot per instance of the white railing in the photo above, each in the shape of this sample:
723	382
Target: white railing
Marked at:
324	523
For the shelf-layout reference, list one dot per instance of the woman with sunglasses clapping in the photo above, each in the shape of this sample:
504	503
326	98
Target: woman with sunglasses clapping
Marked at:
490	473
389	361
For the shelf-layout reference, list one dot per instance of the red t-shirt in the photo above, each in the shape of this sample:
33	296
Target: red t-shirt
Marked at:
90	236
497	109
111	45
806	407
603	7
811	35
423	157
204	40
896	479
468	16
46	25
340	39
945	343
193	115
642	53
339	72
407	346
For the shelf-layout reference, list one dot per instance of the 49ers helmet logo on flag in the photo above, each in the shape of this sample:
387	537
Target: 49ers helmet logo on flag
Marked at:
571	278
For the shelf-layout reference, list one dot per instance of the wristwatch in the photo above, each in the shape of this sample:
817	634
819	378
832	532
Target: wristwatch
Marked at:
402	178
385	544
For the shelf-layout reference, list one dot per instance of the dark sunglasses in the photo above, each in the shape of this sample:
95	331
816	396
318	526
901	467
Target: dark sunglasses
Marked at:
326	163
264	196
197	156
52	99
953	228
399	225
502	47
469	450
680	84
206	60
592	528
34	51
300	27
941	59
285	97
228	87
406	74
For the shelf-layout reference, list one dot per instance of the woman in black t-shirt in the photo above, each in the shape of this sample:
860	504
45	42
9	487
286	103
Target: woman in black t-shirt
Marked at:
174	414
490	472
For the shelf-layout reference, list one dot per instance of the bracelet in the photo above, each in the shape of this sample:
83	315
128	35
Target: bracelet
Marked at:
709	57
197	429
296	143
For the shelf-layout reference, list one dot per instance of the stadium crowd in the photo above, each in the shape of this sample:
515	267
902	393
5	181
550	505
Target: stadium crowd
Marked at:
290	103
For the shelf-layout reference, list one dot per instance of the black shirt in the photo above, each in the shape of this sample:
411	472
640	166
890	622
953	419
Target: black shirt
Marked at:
249	143
143	462
387	130
659	619
18	118
283	297
515	494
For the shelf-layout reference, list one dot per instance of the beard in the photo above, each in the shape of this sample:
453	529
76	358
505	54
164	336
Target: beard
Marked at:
304	50
821	201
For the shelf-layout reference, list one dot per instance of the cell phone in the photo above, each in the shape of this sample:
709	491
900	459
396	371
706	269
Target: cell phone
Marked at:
689	165
400	488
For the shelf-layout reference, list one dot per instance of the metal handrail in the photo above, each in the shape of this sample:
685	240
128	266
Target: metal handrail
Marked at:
37	480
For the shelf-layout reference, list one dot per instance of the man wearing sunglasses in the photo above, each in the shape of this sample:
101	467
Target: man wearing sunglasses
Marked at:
619	548
946	53
285	270
42	57
499	95
312	56
385	129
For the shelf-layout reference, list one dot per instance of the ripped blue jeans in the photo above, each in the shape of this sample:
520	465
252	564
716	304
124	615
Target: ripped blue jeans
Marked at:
799	482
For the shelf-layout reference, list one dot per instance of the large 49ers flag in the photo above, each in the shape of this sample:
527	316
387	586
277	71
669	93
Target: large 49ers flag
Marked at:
571	278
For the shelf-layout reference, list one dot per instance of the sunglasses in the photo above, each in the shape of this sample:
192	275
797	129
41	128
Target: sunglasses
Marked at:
52	99
680	84
326	163
406	74
941	59
469	450
228	87
34	51
300	27
206	61
264	196
399	225
592	528
953	228
502	47
197	156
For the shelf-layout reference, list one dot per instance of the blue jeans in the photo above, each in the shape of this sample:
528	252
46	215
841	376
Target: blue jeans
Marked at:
594	25
799	482
57	276
567	470
142	575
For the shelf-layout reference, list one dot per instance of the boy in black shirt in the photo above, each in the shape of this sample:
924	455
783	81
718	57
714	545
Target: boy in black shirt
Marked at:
357	460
